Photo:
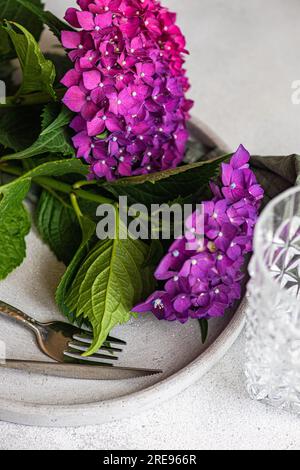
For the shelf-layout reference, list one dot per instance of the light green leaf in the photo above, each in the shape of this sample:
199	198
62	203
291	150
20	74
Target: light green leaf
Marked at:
108	284
52	139
38	72
46	17
58	226
13	229
14	193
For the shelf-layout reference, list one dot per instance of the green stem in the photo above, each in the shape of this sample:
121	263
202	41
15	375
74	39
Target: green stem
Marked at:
80	184
53	184
68	189
48	182
76	208
11	170
93	197
31	99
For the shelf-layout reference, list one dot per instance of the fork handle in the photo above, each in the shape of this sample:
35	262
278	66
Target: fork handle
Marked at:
12	312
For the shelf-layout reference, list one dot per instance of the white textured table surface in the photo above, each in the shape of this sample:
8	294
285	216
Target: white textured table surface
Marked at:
244	58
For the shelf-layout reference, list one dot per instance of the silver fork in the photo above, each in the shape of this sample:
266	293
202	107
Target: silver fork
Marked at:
64	342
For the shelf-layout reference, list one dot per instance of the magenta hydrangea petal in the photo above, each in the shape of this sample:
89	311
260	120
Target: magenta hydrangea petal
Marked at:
89	110
74	99
113	124
104	20
85	4
71	78
96	126
91	79
125	168
86	20
227	171
182	303
71	17
256	191
70	40
241	158
129	27
82	141
78	124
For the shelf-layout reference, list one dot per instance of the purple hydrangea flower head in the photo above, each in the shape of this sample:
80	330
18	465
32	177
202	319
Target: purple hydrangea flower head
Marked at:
127	86
204	282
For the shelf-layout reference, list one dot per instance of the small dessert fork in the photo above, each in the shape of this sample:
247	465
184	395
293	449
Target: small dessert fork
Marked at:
64	342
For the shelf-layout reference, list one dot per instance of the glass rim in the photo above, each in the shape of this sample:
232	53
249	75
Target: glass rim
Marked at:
257	248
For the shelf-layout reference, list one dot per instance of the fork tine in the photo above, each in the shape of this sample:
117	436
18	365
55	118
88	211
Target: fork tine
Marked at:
73	347
87	337
111	339
96	359
83	341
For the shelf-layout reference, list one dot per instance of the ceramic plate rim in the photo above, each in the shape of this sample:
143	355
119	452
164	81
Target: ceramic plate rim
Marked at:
45	415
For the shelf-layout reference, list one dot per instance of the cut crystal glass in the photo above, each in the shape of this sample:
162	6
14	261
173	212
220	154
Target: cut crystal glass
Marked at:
273	317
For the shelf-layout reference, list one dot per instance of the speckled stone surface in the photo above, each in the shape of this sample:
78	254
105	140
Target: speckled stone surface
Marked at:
244	57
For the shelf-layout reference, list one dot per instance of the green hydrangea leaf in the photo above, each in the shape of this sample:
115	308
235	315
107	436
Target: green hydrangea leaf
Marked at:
13	229
19	127
204	329
52	139
14	193
108	284
88	228
12	10
62	64
165	186
38	72
5	46
58	226
45	17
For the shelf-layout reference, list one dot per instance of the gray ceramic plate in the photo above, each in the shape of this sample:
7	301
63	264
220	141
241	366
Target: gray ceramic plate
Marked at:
43	401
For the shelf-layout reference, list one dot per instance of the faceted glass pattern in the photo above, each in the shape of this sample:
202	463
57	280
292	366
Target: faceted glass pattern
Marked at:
273	317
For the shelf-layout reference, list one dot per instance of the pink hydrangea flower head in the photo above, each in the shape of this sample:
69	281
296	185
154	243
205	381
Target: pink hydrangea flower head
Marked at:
127	86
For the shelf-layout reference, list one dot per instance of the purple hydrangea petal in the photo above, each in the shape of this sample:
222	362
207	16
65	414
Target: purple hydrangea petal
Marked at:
74	99
204	284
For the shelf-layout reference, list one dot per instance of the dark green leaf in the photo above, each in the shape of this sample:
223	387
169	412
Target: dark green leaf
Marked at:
38	72
11	10
6	49
19	127
46	17
88	231
155	253
58	226
62	64
13	229
204	329
166	186
52	139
